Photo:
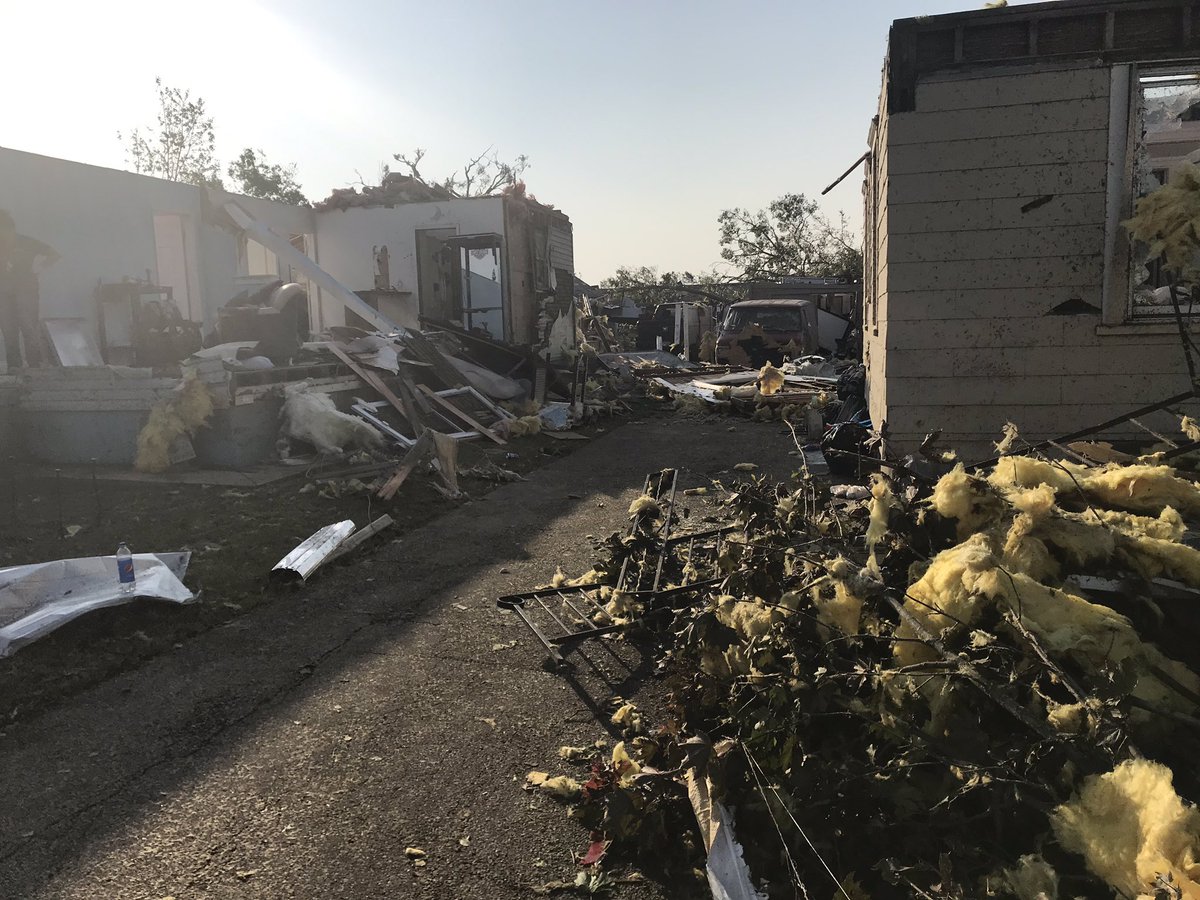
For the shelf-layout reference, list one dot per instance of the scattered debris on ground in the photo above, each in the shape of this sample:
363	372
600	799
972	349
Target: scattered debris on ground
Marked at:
949	682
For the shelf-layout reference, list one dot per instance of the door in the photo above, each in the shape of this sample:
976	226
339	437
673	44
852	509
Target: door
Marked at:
435	265
172	260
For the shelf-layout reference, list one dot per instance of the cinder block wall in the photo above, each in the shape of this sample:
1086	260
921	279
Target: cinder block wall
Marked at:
989	204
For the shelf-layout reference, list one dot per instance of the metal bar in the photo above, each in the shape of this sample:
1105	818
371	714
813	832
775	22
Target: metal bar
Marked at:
666	529
529	623
858	162
588	598
1153	433
550	613
1091	429
579	614
285	251
585	635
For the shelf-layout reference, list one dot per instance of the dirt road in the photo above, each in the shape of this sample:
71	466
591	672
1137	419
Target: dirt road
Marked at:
300	748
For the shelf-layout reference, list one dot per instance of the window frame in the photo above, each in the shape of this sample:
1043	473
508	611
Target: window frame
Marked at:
1123	141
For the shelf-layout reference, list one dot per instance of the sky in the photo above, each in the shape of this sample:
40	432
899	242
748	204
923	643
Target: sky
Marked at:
641	120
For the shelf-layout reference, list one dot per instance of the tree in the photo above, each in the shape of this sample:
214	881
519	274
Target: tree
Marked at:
789	237
182	147
258	178
483	176
648	287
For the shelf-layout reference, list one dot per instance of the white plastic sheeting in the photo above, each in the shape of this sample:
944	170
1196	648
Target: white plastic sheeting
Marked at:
35	599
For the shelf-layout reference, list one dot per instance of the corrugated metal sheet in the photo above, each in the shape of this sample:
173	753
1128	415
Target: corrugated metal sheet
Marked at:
562	246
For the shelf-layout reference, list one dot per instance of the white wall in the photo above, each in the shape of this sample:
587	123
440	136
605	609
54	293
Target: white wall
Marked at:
345	239
991	204
101	221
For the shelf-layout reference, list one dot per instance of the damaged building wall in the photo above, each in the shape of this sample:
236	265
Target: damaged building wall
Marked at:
110	226
540	244
348	242
996	191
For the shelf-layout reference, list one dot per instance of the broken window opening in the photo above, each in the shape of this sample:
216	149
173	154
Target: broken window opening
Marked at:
257	260
1166	127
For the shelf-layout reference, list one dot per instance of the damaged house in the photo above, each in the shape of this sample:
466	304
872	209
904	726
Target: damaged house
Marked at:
1009	147
489	263
149	269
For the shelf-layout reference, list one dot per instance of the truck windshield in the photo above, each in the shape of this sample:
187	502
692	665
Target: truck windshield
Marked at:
768	318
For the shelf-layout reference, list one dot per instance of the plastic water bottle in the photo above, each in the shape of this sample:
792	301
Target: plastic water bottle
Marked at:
125	568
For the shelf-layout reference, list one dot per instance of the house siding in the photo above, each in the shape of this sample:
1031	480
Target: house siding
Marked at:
990	204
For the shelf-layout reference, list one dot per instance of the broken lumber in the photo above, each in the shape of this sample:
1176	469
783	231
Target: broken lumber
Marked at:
417	452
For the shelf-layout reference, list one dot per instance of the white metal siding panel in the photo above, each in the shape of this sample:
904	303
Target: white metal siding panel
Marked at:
968	124
1063	147
986	184
986	90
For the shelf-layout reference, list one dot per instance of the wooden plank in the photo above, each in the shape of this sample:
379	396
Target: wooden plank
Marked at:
980	215
964	124
360	537
981	303
1010	181
409	386
459	414
418	451
1061	147
984	390
1083	271
999	243
995	87
372	380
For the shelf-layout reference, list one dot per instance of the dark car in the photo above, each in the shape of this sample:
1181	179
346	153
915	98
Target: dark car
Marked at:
756	332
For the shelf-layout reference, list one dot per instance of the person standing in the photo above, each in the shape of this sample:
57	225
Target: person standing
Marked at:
22	258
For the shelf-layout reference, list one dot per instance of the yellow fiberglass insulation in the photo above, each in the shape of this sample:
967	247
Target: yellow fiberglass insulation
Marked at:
561	579
622	606
1090	633
1032	878
1028	554
843	610
522	426
1165	221
1063	622
1010	437
1169	525
1153	557
1143	488
645	504
1078	543
628	717
1038	501
181	413
1026	472
750	619
1190	427
1069	718
968	499
770	380
1130	826
944	596
881	505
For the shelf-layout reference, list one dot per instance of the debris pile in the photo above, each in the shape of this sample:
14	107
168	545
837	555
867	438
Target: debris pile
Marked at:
972	684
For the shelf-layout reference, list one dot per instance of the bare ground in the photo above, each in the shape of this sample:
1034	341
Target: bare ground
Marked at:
297	749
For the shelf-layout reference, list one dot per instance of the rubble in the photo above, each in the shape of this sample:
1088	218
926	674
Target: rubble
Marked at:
940	686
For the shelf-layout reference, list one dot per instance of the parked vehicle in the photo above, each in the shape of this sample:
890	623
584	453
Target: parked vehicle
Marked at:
756	332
